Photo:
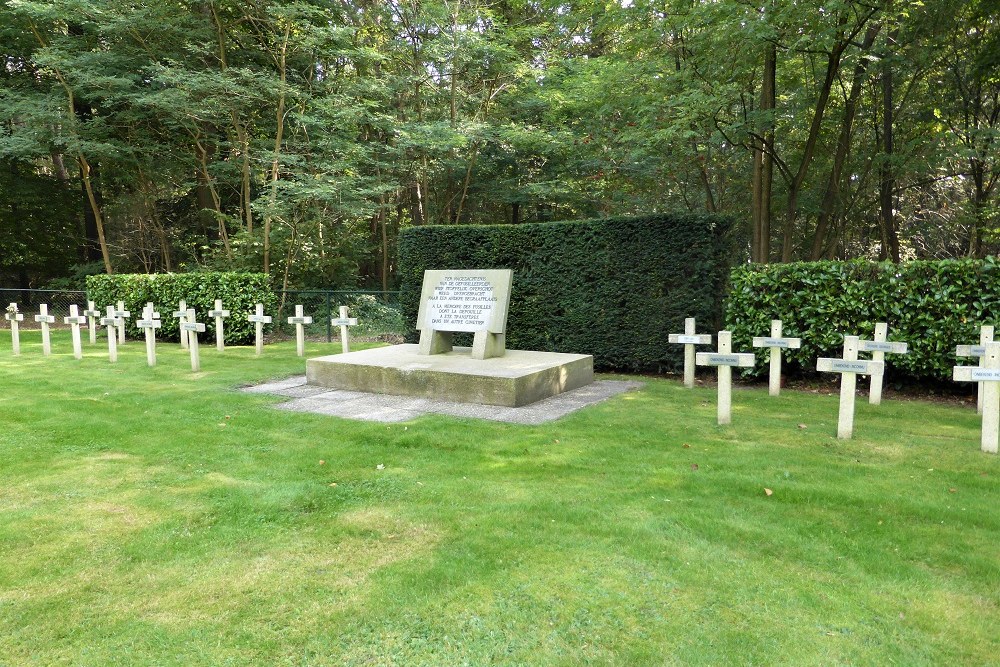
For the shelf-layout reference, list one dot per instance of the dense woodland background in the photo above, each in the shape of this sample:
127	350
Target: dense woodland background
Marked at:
298	138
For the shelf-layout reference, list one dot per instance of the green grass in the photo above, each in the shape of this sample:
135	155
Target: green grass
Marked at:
156	516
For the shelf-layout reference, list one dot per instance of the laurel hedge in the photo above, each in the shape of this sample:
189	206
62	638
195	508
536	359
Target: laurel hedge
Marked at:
240	292
613	287
932	305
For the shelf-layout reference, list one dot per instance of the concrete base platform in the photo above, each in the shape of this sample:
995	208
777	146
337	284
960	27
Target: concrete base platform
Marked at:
518	378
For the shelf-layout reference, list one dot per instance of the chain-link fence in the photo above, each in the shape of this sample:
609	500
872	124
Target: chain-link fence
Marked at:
378	314
29	300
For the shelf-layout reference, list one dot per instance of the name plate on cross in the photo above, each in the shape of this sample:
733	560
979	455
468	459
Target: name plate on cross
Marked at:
784	343
465	300
149	324
300	320
698	339
741	360
970	350
198	327
824	365
344	321
882	346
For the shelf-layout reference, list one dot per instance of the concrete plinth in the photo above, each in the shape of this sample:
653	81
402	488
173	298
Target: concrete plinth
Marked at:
518	378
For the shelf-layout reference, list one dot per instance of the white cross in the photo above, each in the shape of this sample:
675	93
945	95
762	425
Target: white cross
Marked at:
219	314
849	367
689	339
191	328
985	337
878	348
775	344
92	316
988	373
121	314
75	319
45	320
300	320
343	322
260	319
724	360
150	322
14	317
181	314
111	322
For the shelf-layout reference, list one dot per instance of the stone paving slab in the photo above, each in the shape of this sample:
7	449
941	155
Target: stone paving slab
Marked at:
390	409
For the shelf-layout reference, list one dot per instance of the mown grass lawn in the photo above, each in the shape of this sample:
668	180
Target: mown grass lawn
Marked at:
155	516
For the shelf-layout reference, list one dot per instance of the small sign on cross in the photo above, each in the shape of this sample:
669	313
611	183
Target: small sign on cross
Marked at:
988	374
879	347
725	359
150	322
985	337
775	344
14	317
689	339
343	322
259	319
75	319
111	322
219	314
849	367
45	320
300	320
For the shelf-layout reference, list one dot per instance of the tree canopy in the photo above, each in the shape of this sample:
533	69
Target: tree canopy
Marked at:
298	137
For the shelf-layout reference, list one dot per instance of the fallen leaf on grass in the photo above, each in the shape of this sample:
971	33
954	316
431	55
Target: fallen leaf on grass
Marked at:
380	466
322	462
803	426
694	466
952	490
334	484
768	492
686	446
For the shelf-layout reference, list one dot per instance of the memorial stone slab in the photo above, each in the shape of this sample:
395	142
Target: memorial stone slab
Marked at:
220	314
74	320
259	319
181	314
985	337
879	347
725	359
122	315
300	320
150	322
92	316
111	322
689	339
14	318
849	367
465	300
988	374
775	344
191	327
45	320
343	322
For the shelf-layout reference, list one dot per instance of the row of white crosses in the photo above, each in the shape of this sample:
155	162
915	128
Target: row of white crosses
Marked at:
724	359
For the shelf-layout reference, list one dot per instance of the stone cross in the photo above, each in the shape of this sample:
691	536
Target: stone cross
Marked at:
92	316
724	360
985	337
689	339
343	322
45	320
75	319
190	327
849	367
181	314
111	322
775	343
219	314
14	317
121	314
300	321
988	374
150	322
259	319
878	348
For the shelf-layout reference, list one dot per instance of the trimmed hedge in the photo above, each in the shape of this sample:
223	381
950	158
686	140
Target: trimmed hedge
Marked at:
932	305
239	292
614	288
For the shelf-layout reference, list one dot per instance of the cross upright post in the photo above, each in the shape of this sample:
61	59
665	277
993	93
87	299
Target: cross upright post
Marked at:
74	320
343	322
689	339
724	360
259	319
219	314
92	316
775	344
878	348
14	318
45	320
192	328
111	322
181	315
849	367
150	322
121	314
300	320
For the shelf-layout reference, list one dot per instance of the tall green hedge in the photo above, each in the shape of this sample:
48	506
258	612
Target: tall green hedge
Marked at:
932	305
614	288
239	292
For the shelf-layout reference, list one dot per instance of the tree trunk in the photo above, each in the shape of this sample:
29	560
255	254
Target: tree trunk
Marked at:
887	181
763	164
